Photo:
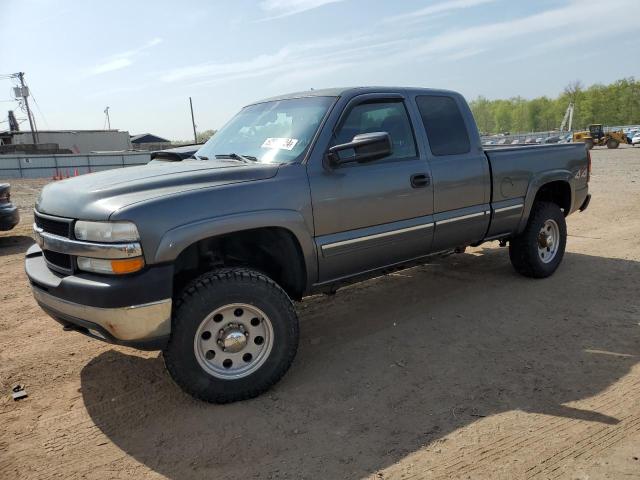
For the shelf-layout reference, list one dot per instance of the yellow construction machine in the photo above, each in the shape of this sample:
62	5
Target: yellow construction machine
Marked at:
595	136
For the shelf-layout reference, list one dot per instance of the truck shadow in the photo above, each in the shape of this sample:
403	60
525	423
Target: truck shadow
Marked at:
12	244
387	367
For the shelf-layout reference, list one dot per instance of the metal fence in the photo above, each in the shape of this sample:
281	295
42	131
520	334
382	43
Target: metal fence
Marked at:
541	137
67	165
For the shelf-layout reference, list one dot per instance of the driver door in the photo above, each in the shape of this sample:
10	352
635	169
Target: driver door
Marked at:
370	215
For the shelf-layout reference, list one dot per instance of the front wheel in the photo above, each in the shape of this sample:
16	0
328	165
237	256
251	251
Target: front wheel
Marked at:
611	143
234	334
538	250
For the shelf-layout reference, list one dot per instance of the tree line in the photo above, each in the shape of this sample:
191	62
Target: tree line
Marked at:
201	136
615	104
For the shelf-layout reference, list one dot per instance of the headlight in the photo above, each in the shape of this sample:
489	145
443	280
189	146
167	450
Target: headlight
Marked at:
107	232
111	267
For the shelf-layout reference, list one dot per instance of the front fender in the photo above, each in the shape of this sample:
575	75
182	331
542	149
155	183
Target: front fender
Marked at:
537	182
177	239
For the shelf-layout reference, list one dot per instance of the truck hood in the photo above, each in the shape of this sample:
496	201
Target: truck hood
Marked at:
98	195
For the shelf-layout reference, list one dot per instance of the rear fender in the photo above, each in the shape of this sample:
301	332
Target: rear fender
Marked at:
534	186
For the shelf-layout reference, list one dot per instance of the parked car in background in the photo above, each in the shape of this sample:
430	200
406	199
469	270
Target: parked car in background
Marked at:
630	134
566	138
552	139
635	140
9	216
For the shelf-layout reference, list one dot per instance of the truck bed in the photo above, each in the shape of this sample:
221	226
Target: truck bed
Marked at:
516	171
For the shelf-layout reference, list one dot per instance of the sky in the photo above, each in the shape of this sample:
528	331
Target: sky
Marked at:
144	58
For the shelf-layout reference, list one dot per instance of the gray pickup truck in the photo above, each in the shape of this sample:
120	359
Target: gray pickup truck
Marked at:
295	195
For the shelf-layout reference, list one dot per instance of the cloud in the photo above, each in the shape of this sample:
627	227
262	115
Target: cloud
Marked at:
286	8
299	60
116	64
563	19
393	45
123	59
437	10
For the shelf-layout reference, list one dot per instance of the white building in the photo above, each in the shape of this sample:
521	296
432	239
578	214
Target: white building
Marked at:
78	141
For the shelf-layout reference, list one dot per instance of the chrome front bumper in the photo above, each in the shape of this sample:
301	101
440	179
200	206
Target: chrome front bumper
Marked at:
133	323
132	310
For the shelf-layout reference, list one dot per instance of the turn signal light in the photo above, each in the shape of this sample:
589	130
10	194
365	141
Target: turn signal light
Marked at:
111	267
127	265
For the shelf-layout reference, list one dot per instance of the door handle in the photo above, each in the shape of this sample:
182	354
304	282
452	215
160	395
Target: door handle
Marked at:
419	180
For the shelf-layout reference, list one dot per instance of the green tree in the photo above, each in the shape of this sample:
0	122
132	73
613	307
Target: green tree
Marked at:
615	104
206	135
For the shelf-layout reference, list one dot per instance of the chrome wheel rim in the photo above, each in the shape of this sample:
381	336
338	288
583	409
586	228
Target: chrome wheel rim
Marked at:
548	241
233	341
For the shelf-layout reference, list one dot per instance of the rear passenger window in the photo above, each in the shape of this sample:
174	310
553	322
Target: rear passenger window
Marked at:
444	124
390	117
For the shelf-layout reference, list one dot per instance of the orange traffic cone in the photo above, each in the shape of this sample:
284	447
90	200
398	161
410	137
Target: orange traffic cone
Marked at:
75	173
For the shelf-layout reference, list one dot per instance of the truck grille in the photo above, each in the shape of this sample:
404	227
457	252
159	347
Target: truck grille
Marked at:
60	260
62	228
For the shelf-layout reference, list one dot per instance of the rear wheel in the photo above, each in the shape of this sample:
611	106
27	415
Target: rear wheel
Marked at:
538	250
234	334
612	143
588	143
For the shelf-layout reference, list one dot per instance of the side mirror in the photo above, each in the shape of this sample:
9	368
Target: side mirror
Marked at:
365	147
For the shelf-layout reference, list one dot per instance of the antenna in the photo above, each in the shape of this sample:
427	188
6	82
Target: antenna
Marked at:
108	120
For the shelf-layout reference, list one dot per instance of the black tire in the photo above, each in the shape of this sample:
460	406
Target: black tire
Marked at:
523	250
588	143
214	290
612	143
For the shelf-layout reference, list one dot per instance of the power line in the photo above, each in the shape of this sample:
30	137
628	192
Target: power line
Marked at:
38	107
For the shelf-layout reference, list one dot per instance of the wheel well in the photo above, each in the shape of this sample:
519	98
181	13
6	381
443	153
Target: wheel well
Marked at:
558	192
272	250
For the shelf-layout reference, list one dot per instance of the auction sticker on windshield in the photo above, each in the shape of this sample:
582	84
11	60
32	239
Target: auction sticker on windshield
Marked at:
281	143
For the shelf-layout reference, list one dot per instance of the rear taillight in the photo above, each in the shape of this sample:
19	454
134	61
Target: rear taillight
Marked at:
588	166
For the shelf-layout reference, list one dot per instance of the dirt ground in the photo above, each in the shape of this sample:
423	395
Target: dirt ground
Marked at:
456	369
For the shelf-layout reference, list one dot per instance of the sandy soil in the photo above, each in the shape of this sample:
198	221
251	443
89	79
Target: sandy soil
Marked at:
456	369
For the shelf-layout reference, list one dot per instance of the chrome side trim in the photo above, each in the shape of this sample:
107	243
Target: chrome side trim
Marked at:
505	209
351	241
55	243
137	322
463	217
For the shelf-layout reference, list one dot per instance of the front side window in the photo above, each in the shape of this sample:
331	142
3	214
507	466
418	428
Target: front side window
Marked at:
444	125
271	132
390	117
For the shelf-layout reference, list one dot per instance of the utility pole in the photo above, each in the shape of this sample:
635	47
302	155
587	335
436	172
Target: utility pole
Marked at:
106	112
25	94
193	122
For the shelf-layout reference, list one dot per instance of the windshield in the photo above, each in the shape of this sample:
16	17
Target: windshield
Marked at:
269	132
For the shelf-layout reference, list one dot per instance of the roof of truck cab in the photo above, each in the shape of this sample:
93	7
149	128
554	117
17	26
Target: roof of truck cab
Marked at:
338	92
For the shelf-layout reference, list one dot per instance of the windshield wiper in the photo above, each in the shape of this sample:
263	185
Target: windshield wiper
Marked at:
199	157
235	156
